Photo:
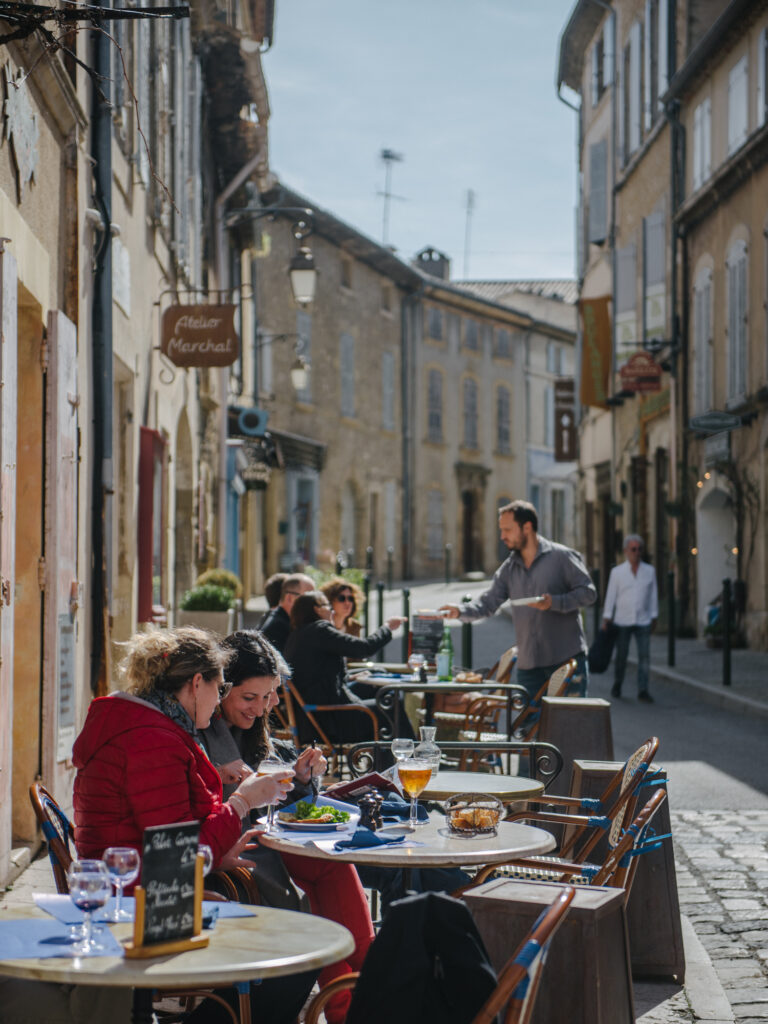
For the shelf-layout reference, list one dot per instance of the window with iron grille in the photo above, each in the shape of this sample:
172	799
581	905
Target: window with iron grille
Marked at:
503	408
435	406
470	413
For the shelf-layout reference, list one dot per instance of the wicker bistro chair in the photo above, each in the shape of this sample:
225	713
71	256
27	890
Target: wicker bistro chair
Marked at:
558	684
617	869
502	670
484	721
545	762
451	709
612	814
516	986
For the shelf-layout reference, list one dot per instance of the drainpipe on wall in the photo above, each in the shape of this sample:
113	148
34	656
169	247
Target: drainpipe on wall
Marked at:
407	366
223	283
102	483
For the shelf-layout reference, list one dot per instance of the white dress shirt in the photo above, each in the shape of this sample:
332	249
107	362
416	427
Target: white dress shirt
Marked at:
632	598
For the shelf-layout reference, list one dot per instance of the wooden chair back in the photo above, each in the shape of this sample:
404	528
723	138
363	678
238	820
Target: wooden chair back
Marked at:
518	982
502	670
527	724
58	832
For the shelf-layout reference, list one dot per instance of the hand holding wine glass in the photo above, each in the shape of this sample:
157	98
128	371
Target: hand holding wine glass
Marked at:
89	889
280	773
123	867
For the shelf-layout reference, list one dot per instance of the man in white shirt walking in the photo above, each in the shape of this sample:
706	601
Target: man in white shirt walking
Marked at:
632	604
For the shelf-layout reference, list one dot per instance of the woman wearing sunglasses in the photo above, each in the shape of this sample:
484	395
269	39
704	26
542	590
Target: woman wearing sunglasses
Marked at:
346	604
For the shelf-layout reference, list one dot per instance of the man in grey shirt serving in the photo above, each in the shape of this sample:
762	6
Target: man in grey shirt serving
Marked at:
548	631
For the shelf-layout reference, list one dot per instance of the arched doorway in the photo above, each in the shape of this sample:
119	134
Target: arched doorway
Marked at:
184	557
716	538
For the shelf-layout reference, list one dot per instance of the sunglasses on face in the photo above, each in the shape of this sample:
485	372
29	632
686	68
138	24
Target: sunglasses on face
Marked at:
346	597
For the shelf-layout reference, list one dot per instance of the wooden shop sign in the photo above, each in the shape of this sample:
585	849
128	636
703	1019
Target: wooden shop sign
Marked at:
200	335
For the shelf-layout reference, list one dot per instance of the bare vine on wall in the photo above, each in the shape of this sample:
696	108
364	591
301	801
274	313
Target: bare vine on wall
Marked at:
30	20
745	496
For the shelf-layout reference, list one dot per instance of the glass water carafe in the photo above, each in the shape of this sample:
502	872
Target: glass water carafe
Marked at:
427	749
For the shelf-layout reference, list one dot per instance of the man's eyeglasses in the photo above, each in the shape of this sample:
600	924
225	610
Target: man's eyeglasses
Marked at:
346	597
224	690
634	547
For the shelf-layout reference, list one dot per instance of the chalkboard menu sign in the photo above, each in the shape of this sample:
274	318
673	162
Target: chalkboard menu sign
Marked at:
426	634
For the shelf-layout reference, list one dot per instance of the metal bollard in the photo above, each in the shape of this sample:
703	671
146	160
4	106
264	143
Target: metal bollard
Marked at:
407	624
380	592
726	613
390	566
466	639
350	556
367	606
369	559
671	618
448	550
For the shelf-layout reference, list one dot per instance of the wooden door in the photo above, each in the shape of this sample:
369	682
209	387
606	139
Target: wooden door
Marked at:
62	590
8	361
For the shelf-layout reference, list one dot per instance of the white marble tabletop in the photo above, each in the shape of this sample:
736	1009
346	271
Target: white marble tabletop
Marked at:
269	944
438	846
507	788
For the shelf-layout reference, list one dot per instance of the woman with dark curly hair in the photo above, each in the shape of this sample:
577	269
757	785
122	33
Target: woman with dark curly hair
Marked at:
347	601
237	740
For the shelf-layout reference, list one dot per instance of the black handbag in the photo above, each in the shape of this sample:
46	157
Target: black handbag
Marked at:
600	652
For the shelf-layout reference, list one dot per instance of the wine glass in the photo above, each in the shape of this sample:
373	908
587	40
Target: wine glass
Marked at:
89	889
123	867
415	774
270	766
207	853
401	749
416	661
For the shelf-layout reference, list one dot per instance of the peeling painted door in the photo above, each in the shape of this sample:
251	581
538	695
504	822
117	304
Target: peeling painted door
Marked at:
8	361
62	589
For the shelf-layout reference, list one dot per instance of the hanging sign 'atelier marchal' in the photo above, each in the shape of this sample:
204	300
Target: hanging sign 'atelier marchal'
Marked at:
200	335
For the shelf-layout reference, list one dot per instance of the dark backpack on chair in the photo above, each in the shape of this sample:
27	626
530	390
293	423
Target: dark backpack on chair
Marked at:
427	965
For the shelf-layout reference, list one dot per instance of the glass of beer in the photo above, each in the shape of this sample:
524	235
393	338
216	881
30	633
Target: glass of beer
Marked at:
414	776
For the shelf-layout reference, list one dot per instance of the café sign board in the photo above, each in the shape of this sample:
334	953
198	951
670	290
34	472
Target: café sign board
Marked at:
201	335
641	373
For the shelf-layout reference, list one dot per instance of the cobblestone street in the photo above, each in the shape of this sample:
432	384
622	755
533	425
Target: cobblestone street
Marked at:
722	864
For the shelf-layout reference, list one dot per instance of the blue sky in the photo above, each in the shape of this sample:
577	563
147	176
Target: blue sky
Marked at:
464	91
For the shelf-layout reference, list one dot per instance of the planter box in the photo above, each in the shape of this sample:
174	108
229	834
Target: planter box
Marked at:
217	622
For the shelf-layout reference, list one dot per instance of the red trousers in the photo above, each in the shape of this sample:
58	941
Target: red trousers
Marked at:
335	892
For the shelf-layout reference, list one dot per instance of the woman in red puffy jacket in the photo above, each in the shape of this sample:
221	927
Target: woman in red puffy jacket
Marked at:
139	763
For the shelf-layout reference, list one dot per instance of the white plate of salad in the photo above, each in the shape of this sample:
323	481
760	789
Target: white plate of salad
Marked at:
325	816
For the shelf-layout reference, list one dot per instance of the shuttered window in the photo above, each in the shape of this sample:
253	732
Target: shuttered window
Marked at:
435	406
471	334
702	143
435	323
626	279
598	191
736	268
347	365
655	249
549	416
702	342
388	390
470	413
633	66
503	432
737	105
762	78
503	347
650	64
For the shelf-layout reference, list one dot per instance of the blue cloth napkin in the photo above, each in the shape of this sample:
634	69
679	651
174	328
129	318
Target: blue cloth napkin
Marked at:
363	837
400	811
63	909
32	940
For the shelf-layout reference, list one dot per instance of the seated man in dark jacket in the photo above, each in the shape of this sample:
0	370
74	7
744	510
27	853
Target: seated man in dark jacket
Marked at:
276	624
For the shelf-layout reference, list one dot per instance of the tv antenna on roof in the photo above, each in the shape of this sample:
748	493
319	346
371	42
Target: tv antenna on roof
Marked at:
389	156
470	207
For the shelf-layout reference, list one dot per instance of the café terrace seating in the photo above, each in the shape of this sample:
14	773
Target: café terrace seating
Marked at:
452	709
516	986
235	884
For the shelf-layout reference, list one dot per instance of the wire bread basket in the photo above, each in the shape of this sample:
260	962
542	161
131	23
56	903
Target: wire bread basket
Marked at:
473	814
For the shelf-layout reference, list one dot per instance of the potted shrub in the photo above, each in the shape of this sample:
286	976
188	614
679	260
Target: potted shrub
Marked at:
208	606
221	578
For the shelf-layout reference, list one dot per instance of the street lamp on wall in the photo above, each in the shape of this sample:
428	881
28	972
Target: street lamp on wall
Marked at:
301	269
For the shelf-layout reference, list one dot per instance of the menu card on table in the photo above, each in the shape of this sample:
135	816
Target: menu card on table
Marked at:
426	634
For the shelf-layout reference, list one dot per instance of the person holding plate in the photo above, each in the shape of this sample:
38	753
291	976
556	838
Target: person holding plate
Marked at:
548	585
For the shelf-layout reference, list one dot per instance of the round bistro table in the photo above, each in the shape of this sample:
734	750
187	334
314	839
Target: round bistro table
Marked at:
267	945
508	788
